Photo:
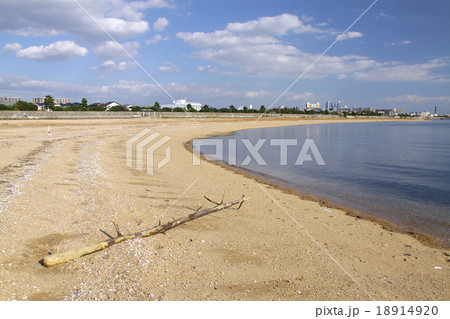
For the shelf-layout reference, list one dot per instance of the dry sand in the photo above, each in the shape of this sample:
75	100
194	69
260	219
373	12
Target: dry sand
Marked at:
57	191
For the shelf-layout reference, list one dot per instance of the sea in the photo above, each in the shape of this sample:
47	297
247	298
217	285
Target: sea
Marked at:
397	171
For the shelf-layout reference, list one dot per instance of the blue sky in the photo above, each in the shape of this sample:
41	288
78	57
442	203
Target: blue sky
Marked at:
228	52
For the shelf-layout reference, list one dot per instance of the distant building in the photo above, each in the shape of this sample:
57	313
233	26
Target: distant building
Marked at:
129	106
182	103
9	100
312	106
332	106
389	112
40	102
111	104
360	110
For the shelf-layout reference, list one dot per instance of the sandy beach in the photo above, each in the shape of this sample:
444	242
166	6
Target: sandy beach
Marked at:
58	190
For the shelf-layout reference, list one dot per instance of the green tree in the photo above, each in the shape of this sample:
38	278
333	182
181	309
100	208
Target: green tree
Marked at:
25	106
118	108
4	107
157	107
232	108
262	109
97	108
49	102
84	103
205	108
190	108
75	107
136	108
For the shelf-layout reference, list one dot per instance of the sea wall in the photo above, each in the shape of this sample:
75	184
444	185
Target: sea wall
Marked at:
28	115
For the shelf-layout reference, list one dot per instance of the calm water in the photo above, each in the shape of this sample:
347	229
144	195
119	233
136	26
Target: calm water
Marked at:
397	171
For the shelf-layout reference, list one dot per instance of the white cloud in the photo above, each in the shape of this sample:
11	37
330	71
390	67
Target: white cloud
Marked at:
405	72
156	39
412	98
111	66
122	91
350	35
160	24
257	48
11	47
110	50
206	69
305	96
57	51
121	28
277	25
256	94
120	18
169	67
405	42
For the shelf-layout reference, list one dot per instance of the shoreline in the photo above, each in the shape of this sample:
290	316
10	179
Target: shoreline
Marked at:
425	239
59	198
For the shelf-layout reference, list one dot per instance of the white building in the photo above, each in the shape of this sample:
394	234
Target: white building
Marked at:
111	104
9	100
182	103
312	106
58	101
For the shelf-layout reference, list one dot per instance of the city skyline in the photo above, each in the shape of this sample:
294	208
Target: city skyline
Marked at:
227	52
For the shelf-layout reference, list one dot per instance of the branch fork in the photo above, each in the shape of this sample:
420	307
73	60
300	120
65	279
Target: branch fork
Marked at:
63	257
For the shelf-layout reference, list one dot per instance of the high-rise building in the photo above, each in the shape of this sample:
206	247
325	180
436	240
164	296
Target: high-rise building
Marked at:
9	100
332	106
58	101
312	106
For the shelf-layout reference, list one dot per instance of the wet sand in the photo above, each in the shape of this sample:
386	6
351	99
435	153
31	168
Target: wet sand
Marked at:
57	191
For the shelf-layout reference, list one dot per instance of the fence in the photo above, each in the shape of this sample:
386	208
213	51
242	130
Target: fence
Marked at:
28	115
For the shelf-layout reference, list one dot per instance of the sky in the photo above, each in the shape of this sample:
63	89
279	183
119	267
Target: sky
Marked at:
223	52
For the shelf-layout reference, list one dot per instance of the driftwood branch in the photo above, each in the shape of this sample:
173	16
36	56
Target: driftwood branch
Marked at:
59	258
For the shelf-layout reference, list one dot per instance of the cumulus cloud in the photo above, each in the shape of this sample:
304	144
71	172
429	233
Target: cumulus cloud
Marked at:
169	67
160	24
206	69
57	51
395	71
301	96
11	47
255	94
110	50
277	25
267	56
258	48
350	35
111	66
120	18
156	39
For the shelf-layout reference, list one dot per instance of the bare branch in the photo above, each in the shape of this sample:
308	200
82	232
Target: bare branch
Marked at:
59	258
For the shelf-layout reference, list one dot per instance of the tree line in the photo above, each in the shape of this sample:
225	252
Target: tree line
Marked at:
49	104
